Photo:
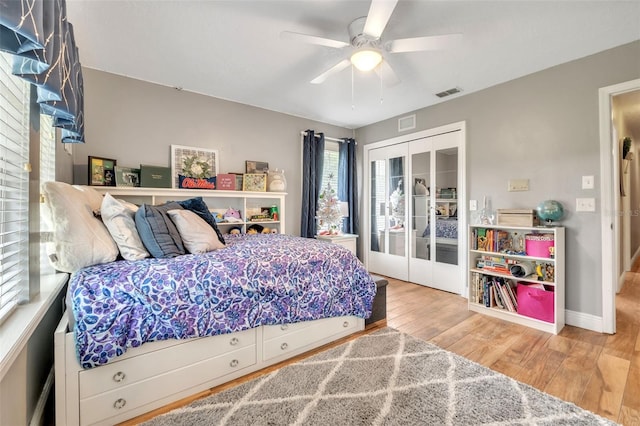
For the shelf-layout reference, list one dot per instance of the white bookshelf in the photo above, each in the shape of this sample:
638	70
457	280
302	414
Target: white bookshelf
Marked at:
512	255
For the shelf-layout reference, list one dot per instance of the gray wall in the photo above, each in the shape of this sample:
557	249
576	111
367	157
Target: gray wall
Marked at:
542	127
135	122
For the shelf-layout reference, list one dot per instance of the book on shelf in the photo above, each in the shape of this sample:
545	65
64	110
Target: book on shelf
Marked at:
493	292
512	294
486	294
510	303
497	296
481	239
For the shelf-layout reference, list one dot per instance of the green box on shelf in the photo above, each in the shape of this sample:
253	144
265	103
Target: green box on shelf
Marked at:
155	176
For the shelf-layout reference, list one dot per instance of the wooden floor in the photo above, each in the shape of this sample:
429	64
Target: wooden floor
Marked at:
598	372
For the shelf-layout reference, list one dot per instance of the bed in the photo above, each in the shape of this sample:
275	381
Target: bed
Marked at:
153	331
143	333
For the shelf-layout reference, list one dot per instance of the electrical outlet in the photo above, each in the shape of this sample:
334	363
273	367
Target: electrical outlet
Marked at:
585	204
518	185
473	205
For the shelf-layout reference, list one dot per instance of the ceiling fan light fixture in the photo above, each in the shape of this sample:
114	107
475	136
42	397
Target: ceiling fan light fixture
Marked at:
366	59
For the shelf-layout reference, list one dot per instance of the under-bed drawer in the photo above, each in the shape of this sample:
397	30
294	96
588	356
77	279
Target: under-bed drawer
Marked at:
118	374
307	333
271	331
101	407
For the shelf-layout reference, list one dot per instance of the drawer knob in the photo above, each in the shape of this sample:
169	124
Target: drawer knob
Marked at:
119	376
345	324
234	363
234	341
284	327
284	346
120	403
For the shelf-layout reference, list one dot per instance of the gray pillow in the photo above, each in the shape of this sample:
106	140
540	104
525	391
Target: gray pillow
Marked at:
157	232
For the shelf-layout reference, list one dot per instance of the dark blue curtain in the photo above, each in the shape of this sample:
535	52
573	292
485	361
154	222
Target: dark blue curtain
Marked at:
312	164
41	40
348	185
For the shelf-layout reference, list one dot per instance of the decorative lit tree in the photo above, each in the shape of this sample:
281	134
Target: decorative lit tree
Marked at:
328	214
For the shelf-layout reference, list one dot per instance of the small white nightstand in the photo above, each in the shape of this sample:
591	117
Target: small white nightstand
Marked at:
346	240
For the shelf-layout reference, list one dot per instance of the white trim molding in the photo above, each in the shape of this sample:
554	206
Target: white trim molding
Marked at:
610	225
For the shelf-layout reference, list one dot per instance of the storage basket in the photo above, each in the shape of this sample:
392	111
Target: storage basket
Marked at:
535	302
539	245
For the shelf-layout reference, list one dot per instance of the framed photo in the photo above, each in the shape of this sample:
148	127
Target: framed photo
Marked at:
256	182
192	162
102	171
127	176
257	167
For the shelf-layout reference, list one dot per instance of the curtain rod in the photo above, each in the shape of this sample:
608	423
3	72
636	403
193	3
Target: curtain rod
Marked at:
304	133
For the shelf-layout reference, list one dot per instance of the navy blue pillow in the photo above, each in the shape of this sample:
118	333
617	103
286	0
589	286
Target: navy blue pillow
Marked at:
158	232
199	207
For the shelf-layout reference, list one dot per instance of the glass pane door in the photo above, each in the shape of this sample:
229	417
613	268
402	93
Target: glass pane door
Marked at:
421	207
388	203
446	206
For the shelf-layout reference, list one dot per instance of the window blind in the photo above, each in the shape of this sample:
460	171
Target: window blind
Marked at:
14	190
330	167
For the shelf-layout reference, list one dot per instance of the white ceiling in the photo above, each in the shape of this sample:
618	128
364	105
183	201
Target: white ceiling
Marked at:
233	50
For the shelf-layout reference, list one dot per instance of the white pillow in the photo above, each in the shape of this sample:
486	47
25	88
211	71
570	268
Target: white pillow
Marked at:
79	238
197	235
94	197
119	218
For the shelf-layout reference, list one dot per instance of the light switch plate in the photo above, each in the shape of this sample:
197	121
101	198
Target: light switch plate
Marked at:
585	204
518	185
473	205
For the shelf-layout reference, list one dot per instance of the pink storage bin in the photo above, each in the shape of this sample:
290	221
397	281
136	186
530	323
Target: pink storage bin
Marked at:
538	245
535	302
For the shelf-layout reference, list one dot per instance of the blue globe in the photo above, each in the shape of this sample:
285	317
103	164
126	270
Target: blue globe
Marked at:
549	211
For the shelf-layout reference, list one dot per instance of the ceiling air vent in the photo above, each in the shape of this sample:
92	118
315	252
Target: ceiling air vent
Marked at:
449	92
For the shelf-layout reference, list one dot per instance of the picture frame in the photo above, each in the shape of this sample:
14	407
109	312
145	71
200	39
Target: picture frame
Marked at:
255	167
101	171
193	162
255	182
127	176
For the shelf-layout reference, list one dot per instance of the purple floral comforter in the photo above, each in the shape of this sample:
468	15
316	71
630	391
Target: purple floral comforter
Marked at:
256	280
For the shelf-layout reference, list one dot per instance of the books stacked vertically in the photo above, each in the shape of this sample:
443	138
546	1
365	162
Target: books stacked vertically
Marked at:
494	240
493	292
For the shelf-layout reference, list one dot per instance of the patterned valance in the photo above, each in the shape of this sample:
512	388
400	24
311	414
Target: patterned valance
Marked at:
41	39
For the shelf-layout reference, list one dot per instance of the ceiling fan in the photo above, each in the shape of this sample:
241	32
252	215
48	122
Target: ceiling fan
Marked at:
367	47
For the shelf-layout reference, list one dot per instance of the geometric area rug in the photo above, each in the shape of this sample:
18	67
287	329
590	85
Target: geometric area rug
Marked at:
382	378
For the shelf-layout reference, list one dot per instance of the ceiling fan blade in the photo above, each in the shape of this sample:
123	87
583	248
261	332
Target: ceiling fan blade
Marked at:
379	13
306	38
328	73
387	74
417	44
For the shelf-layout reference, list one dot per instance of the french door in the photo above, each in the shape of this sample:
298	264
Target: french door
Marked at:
416	211
388	237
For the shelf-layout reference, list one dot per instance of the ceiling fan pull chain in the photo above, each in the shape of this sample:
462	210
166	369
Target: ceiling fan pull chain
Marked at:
381	97
353	103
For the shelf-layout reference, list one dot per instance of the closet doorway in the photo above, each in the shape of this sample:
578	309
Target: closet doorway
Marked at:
415	208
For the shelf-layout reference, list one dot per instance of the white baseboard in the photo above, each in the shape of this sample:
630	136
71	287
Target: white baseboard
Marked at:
38	413
582	320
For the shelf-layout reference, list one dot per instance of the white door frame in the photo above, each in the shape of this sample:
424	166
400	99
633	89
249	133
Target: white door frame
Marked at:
610	205
461	192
